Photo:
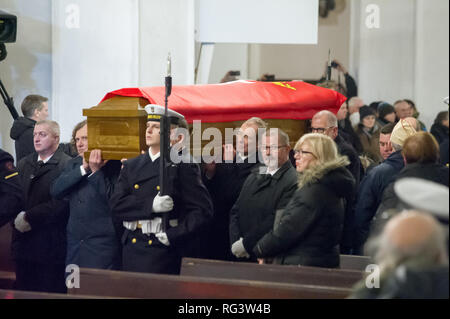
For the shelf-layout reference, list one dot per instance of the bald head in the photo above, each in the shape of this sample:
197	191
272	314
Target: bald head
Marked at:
326	123
410	230
413	238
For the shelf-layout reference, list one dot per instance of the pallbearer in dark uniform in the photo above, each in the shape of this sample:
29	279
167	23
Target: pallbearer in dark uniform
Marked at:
10	189
137	204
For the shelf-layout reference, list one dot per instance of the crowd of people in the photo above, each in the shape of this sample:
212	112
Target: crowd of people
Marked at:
331	194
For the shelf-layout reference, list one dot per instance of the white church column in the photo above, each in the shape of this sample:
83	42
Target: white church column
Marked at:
166	26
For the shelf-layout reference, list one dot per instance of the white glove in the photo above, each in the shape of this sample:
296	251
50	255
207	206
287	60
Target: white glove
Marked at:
162	204
238	249
21	224
162	237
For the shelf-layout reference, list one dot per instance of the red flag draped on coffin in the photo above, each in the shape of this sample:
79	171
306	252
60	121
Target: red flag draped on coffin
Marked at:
240	100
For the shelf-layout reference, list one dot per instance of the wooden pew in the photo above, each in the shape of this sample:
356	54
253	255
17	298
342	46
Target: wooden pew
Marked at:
355	262
316	276
18	294
141	285
7	279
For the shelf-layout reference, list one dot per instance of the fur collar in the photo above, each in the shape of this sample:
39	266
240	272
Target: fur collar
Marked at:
317	172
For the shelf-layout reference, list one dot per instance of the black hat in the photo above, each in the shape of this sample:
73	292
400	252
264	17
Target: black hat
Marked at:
365	111
385	109
6	161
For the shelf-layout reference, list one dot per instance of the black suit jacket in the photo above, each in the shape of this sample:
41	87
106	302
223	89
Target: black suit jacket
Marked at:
46	242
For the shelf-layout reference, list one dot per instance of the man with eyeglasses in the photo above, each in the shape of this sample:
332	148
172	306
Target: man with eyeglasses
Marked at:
39	236
325	122
266	190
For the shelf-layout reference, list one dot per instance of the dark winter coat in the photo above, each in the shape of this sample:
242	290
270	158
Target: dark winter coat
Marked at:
46	241
440	132
348	134
10	189
225	188
308	231
92	241
345	149
432	172
22	133
370	193
261	196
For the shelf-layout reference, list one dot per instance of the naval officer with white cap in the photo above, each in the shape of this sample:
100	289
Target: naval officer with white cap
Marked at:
136	203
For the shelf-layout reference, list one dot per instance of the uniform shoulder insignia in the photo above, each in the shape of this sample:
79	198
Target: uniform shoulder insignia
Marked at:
11	175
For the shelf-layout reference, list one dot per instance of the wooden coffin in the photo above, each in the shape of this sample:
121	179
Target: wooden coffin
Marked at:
117	124
117	127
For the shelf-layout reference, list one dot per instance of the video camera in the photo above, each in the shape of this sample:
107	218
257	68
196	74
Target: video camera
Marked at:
8	31
8	27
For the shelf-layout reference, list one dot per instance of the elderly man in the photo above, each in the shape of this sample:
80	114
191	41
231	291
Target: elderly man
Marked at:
138	205
403	109
34	108
325	122
39	237
224	182
265	191
92	241
373	185
412	259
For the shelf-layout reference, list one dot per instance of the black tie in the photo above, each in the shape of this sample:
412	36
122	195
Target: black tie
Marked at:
40	164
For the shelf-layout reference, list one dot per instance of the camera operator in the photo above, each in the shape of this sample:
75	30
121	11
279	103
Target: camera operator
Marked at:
350	89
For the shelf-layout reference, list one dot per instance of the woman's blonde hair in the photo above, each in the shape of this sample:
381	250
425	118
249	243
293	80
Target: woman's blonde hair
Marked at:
322	146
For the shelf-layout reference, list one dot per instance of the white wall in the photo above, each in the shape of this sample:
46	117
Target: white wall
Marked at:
166	26
27	68
386	54
407	56
90	59
432	58
75	51
290	61
227	57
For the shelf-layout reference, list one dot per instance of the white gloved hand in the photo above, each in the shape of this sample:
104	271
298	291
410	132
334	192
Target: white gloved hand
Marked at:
162	204
238	249
162	237
21	224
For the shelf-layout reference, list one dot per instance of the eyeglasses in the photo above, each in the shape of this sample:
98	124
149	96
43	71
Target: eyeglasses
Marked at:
273	148
320	130
300	152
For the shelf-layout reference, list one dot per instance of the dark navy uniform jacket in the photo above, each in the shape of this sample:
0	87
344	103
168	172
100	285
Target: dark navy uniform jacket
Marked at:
92	241
136	188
